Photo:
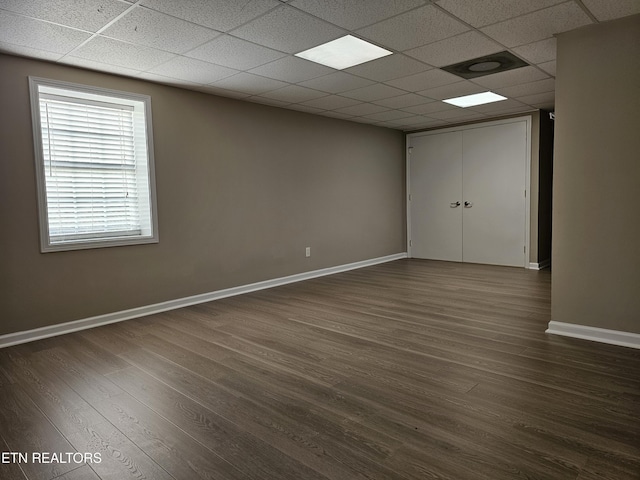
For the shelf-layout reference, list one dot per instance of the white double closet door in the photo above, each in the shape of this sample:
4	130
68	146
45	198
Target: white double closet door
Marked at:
467	194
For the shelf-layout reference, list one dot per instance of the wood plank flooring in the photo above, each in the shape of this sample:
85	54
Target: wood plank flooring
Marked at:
408	370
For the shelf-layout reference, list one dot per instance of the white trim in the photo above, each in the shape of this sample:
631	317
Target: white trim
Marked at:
613	337
16	338
540	266
528	119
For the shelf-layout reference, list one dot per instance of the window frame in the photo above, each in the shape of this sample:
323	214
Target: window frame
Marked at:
46	244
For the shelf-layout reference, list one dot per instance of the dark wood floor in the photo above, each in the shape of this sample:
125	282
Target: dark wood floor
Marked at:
407	370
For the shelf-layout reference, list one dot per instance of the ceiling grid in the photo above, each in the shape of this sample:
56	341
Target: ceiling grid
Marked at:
245	49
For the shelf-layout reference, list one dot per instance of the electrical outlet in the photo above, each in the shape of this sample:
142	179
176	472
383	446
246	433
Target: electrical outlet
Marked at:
307	252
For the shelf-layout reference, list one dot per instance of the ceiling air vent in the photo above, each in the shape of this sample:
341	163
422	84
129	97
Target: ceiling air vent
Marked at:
487	65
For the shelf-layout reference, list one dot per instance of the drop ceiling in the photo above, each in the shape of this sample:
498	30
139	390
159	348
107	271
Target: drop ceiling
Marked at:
245	49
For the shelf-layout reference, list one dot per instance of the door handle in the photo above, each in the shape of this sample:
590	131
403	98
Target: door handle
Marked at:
468	204
454	204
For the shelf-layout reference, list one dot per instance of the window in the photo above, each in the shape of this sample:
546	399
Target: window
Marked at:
94	164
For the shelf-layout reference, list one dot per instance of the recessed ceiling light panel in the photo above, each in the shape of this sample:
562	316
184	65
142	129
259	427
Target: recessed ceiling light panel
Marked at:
344	52
475	99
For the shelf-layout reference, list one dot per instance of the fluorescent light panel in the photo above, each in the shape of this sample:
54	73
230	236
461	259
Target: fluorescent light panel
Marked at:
475	99
344	52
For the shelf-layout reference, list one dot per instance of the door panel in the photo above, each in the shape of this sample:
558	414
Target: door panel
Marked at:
435	183
494	183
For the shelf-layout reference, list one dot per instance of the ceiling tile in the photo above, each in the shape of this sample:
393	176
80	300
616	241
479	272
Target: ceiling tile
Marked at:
459	115
499	107
388	68
539	98
268	101
391	124
549	67
551	105
538	52
234	53
146	27
428	124
248	83
288	30
538	25
388	115
175	82
99	66
193	70
457	89
429	108
415	120
509	111
89	15
510	77
456	49
301	107
402	101
486	12
332	102
541	86
294	94
363	120
413	29
26	32
373	92
222	92
605	10
115	52
222	15
362	109
337	82
353	14
422	81
28	52
336	115
292	69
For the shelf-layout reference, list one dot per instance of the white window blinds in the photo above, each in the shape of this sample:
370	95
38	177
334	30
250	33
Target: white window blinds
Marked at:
94	162
90	169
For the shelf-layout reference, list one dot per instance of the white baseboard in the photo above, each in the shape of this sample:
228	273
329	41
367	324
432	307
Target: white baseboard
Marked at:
50	331
540	266
614	337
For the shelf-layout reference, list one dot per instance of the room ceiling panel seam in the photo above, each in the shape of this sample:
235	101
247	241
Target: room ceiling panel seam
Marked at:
285	7
102	29
211	28
425	3
587	11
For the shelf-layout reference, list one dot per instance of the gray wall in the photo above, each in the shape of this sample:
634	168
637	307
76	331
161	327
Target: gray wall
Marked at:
242	190
596	218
